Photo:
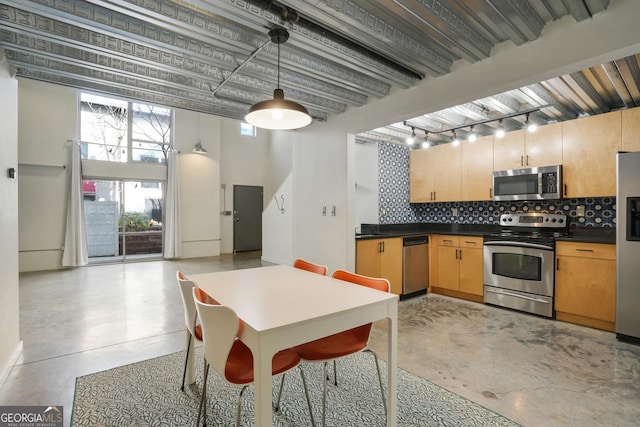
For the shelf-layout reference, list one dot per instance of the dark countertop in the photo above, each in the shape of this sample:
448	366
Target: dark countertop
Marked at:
606	235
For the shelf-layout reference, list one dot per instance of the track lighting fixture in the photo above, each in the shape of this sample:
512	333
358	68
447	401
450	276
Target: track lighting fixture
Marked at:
454	139
500	130
412	138
426	143
531	127
472	135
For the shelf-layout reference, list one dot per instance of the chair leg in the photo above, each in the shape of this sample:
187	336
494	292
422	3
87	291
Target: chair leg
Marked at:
335	373
306	393
324	396
239	405
384	400
277	407
203	398
186	359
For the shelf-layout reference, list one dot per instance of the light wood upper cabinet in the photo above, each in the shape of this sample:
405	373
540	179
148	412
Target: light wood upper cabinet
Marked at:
477	166
508	151
544	146
434	174
589	147
421	177
631	129
522	149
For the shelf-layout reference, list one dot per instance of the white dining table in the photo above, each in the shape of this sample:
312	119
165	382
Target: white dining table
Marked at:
282	306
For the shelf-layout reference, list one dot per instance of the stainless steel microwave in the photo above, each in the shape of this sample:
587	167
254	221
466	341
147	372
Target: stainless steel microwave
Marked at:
543	183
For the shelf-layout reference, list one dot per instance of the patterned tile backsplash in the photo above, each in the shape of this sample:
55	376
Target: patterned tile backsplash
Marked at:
394	206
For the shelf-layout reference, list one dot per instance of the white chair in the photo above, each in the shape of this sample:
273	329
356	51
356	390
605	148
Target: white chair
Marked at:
229	356
190	316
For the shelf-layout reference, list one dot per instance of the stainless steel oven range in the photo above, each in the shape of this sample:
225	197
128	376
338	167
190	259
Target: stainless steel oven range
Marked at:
519	262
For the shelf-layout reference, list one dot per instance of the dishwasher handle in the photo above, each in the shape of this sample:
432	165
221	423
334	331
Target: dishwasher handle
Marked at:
413	241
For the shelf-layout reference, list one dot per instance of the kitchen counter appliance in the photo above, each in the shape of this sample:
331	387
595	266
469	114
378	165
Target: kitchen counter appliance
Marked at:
415	265
519	262
543	183
628	248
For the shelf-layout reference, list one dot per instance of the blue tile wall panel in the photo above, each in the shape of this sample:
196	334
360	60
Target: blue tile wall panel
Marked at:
394	206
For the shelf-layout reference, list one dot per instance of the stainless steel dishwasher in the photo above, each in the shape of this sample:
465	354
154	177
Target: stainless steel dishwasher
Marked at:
415	265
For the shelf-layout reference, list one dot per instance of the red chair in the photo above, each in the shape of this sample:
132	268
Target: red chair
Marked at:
344	343
309	266
229	356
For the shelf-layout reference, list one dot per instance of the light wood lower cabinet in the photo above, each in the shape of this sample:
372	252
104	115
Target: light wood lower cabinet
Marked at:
585	291
457	267
381	258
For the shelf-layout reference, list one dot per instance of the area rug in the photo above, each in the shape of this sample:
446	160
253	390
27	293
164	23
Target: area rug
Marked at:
148	394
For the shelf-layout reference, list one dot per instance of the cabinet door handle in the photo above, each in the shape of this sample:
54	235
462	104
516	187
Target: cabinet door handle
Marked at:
434	196
557	264
521	160
565	189
379	247
469	243
491	193
584	250
382	246
460	258
527	160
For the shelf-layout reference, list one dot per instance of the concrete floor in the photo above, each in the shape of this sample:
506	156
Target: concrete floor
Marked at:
535	371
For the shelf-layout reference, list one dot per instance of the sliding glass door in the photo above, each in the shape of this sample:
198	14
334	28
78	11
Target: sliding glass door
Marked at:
123	220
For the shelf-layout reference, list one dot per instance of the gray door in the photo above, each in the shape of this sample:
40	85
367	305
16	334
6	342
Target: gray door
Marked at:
247	218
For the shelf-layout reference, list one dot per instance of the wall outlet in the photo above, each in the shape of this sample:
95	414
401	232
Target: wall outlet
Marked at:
454	211
580	210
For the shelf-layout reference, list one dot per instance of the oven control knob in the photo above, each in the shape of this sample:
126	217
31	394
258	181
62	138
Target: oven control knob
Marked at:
510	219
560	220
553	220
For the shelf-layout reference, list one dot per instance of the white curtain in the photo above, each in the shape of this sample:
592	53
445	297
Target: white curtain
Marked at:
75	240
171	225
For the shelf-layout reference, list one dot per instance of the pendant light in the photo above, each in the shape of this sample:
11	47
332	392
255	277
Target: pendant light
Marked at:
278	113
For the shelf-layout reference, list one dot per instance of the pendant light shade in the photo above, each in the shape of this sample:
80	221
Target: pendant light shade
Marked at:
278	113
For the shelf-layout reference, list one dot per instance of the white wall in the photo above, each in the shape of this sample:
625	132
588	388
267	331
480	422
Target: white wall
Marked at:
320	170
48	118
366	185
243	161
277	238
10	344
199	183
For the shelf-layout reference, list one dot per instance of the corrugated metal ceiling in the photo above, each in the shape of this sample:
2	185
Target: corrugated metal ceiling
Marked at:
214	56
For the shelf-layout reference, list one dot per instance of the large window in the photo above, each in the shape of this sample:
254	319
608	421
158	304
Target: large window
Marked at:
120	131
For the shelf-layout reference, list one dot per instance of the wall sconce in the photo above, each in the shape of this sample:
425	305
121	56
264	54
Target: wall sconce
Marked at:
199	148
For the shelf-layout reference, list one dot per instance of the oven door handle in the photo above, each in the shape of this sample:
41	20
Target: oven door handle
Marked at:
518	245
512	294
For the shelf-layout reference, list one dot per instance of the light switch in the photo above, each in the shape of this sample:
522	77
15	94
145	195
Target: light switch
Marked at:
580	210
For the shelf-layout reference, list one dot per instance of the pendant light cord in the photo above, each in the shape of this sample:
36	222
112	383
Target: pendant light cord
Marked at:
278	65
